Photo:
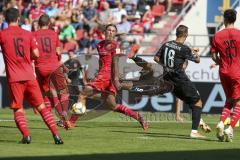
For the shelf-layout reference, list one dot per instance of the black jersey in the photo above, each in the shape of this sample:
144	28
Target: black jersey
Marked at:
173	54
74	67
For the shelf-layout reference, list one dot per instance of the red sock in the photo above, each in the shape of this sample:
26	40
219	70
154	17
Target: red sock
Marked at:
21	123
236	115
48	118
226	111
74	119
127	111
64	101
47	103
57	106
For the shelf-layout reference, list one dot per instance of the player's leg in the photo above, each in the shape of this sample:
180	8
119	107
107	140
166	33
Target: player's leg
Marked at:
178	110
196	117
186	91
34	97
88	91
236	112
16	90
19	117
235	118
139	61
110	100
227	87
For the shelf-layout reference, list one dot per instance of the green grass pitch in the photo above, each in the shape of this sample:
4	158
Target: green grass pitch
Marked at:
112	137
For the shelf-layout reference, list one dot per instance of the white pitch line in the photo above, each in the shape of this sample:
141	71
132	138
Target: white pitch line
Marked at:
145	137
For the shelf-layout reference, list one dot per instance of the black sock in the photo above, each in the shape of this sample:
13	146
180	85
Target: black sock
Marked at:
139	61
196	116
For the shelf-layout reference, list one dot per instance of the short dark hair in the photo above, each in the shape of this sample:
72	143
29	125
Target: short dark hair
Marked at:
230	15
11	15
181	31
44	20
111	25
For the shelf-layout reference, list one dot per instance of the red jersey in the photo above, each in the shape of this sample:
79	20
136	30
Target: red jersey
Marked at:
48	41
17	45
227	44
106	51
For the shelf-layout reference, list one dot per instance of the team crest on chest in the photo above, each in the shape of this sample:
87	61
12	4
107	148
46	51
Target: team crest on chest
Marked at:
110	46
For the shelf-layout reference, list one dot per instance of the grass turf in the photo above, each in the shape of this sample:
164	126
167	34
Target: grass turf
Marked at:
113	136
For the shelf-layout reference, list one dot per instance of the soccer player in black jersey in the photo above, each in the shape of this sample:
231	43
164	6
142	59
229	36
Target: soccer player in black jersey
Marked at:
172	56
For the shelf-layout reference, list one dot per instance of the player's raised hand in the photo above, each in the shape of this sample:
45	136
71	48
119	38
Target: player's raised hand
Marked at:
195	50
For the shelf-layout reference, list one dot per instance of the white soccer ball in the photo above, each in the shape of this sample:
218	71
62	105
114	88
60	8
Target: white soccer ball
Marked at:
78	108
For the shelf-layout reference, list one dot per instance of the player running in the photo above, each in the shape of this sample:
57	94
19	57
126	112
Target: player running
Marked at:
225	52
104	83
50	73
18	47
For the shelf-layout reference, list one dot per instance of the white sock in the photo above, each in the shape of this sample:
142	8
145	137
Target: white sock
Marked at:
221	124
194	131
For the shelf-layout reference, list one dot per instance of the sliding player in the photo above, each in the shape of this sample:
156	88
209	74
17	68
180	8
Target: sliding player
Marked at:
104	83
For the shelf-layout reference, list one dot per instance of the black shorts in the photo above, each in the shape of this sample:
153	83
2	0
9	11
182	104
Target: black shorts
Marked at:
184	89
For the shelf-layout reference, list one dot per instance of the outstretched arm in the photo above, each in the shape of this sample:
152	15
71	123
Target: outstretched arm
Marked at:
116	73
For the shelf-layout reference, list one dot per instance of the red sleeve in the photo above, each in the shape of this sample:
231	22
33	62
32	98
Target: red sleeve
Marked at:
58	41
33	41
213	46
0	37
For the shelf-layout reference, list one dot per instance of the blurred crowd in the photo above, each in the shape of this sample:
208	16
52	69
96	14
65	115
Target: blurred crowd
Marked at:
80	23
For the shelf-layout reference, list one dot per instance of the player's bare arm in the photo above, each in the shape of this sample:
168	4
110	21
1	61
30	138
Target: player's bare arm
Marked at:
58	50
156	59
215	58
195	52
116	73
35	53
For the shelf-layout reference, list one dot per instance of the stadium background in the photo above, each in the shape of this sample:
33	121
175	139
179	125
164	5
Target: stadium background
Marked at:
203	17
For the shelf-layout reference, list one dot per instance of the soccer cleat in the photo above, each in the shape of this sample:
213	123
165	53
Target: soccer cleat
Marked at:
60	123
26	140
133	51
228	133
143	122
57	139
197	135
204	126
68	125
220	131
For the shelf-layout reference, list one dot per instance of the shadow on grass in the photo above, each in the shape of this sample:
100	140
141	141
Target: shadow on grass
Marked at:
229	154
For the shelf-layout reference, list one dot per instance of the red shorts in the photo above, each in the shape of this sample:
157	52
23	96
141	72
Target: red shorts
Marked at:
231	86
103	85
25	89
51	79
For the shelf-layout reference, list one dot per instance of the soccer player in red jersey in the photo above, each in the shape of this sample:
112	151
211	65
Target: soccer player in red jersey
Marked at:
105	82
225	52
48	69
19	46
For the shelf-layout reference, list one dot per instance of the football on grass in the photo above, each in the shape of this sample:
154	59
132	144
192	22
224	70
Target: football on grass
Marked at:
78	108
